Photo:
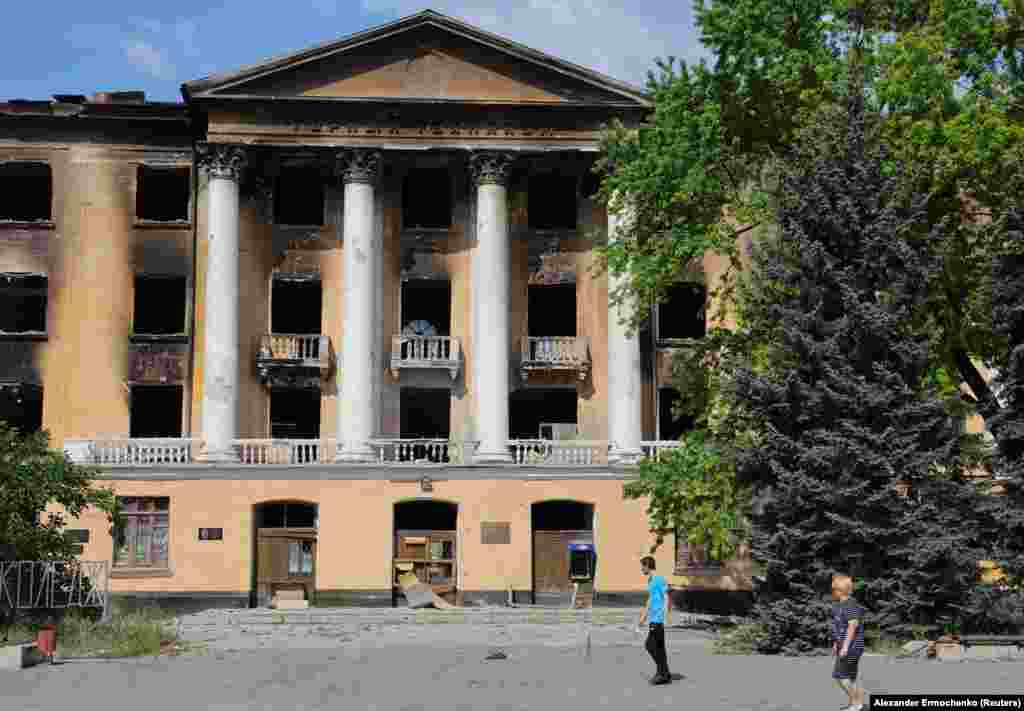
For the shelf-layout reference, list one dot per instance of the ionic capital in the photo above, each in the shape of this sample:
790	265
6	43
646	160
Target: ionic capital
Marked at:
222	161
358	165
490	167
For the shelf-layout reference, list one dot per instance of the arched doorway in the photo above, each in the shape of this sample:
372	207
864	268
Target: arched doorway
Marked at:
426	544
554	525
284	549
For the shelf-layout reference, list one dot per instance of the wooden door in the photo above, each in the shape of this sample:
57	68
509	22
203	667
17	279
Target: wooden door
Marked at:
285	559
551	559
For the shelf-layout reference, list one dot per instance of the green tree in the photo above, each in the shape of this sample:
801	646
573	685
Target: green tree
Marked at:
32	477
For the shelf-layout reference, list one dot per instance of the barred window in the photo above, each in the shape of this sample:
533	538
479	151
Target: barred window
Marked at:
141	540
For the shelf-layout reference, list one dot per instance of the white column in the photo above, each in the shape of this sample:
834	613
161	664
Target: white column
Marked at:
491	295
625	401
223	166
359	347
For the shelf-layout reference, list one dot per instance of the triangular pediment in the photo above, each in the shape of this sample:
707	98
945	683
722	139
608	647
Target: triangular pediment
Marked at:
427	57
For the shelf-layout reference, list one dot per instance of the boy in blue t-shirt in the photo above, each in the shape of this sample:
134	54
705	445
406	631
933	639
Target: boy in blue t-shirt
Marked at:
657	612
847	640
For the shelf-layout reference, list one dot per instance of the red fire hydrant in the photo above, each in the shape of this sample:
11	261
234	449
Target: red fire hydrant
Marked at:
46	641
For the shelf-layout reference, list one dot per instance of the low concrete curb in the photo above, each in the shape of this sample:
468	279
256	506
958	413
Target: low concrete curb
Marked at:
19	656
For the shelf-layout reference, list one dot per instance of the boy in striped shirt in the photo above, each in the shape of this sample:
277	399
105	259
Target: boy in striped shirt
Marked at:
847	640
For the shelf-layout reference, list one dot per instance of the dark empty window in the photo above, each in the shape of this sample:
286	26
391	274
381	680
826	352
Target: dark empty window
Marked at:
295	306
23	303
299	198
533	407
426	307
155	410
681	315
425	412
162	194
552	310
590	184
26	192
159	305
21	407
427	199
294	413
671	427
286	515
552	202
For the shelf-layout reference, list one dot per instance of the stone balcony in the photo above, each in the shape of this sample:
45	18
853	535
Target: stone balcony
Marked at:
169	452
440	352
555	354
294	359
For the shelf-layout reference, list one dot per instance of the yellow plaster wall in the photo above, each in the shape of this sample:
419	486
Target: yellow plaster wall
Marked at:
355	534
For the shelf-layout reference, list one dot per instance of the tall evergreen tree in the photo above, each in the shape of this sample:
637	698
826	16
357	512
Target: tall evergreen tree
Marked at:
847	413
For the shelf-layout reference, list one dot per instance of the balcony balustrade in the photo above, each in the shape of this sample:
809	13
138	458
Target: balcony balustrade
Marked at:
555	353
294	359
443	352
655	449
293	452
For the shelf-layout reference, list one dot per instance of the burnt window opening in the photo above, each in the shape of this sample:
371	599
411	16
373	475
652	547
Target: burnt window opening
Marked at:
294	413
562	516
682	314
299	197
21	407
425	413
551	310
590	184
427	199
296	306
23	303
155	410
671	427
159	305
286	515
426	516
552	202
531	408
163	194
26	192
426	307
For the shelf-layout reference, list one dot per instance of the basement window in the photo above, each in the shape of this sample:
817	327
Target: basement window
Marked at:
23	303
299	198
155	410
295	306
162	194
681	315
427	199
159	305
552	202
26	192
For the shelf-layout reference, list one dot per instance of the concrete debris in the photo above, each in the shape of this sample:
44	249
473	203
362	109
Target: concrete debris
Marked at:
419	595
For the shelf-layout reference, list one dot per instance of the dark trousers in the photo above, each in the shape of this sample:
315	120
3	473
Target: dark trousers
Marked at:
656	647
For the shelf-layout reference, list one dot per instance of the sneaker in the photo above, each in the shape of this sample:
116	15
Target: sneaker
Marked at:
659	679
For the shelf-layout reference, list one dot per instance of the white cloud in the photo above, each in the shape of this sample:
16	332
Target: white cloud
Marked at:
610	36
147	58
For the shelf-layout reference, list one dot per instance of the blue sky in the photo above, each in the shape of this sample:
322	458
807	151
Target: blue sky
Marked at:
74	47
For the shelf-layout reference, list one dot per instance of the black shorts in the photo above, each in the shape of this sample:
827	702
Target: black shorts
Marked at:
846	667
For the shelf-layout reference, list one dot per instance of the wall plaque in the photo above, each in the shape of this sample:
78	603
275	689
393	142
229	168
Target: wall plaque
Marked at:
495	532
211	534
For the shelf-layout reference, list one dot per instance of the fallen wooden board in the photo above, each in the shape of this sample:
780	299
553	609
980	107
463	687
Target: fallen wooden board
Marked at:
419	594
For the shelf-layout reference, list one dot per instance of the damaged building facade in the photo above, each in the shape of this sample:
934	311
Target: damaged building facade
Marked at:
336	318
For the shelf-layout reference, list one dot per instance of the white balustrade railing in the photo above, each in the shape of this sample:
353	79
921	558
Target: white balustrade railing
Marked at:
295	346
425	352
655	448
143	450
556	350
284	451
558	452
435	451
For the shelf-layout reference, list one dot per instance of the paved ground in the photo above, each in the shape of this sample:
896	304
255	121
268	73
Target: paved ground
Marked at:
352	665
